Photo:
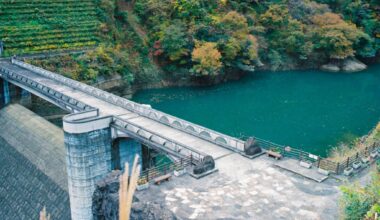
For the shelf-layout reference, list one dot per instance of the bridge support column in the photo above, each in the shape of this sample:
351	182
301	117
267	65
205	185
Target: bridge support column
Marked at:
124	151
6	93
1	93
88	157
26	98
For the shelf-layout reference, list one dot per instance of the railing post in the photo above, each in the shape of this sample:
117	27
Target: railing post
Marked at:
319	162
337	168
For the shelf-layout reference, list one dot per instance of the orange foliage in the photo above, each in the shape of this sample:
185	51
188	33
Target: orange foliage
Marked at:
208	58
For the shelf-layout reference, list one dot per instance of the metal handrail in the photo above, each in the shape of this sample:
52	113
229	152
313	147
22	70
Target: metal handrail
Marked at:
154	172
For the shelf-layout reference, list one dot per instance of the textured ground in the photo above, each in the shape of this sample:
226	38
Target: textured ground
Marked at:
262	191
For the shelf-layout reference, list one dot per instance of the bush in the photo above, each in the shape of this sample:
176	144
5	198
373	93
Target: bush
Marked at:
359	202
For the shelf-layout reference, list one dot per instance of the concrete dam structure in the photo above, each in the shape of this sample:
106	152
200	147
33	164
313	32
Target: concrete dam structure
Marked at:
99	118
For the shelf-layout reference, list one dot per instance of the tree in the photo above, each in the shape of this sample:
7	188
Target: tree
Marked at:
251	49
239	48
336	37
360	202
276	16
231	49
207	57
234	24
285	34
174	41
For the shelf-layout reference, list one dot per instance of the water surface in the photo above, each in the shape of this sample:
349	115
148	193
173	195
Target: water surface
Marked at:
310	110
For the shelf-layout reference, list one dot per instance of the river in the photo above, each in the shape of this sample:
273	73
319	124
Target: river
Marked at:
309	110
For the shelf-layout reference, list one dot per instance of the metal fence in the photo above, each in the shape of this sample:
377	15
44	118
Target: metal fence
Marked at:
327	164
364	153
150	174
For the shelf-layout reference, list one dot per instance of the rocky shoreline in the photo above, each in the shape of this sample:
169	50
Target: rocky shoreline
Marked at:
349	65
116	84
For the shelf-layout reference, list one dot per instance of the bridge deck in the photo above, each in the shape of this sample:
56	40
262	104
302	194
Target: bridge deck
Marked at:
106	108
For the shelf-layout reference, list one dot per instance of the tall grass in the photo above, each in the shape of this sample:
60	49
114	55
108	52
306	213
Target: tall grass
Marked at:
127	189
44	215
343	150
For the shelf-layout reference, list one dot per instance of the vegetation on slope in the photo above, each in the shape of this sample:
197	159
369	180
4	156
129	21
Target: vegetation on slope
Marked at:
243	33
358	202
42	25
120	51
349	148
193	39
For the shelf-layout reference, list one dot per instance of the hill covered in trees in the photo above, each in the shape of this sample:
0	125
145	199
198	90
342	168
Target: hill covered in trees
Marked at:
194	39
211	36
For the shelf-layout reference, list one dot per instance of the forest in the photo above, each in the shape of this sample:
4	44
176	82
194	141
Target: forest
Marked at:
210	37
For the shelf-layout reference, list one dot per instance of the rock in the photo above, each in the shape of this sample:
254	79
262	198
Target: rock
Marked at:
150	211
105	203
207	164
252	147
105	200
353	65
330	67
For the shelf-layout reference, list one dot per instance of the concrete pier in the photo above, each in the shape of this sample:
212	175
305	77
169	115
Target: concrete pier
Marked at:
88	154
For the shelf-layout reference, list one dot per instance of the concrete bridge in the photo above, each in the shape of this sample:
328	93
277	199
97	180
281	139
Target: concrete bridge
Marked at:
98	118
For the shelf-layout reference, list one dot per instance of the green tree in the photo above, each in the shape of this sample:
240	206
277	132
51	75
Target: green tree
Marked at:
175	41
285	34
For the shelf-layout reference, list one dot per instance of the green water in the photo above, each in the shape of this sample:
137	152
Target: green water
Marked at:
310	110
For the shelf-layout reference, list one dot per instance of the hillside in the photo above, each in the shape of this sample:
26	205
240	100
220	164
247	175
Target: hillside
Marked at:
192	41
214	37
115	52
46	25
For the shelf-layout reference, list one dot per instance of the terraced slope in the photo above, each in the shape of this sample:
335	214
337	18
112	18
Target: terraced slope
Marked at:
33	26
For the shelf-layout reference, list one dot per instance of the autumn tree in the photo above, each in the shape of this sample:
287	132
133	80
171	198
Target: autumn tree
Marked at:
238	47
336	37
234	24
207	58
285	35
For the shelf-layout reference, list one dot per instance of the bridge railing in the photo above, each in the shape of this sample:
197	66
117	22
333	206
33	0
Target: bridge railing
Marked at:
169	120
155	139
168	167
300	155
194	129
58	98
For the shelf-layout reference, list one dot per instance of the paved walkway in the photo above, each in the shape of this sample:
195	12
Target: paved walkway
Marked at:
247	189
294	167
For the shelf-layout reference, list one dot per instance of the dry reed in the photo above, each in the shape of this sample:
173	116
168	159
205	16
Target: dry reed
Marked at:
127	189
343	151
44	215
